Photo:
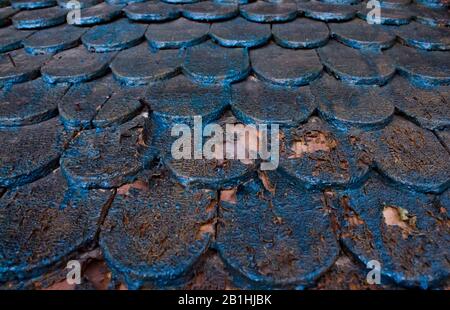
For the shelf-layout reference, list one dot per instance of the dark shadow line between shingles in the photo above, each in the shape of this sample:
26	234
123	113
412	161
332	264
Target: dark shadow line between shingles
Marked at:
98	109
441	141
404	115
214	220
103	215
107	206
2	191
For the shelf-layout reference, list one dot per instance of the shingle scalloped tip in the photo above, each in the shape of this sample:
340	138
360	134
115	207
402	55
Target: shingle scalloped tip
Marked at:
327	12
207	11
411	248
30	152
421	67
76	65
431	17
140	65
115	36
32	4
164	249
272	240
40	18
79	105
103	158
209	63
152	11
256	102
53	40
359	34
424	37
352	106
18	67
176	34
389	16
317	156
427	106
410	156
11	38
179	99
286	67
360	67
239	32
29	103
301	33
46	215
266	12
209	173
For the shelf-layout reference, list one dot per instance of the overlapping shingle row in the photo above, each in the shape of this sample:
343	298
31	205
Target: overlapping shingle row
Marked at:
86	112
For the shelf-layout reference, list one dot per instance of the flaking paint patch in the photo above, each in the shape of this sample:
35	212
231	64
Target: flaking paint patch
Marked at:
138	184
228	195
400	217
311	142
